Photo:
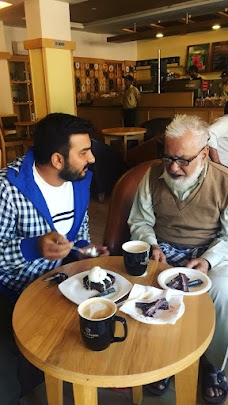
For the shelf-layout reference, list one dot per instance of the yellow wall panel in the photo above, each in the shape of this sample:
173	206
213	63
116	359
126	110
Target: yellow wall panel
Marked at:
38	82
60	85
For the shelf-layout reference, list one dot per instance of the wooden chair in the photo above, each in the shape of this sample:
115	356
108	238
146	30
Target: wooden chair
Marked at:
117	230
7	123
16	144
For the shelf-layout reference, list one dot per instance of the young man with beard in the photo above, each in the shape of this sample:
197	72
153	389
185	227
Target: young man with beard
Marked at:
44	198
181	209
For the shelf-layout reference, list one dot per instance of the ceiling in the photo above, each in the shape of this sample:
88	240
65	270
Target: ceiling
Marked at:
140	19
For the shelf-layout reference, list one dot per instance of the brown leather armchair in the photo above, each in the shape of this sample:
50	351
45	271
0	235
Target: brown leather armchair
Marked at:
117	230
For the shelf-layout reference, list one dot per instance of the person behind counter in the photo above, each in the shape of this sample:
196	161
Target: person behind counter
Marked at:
223	86
131	97
193	73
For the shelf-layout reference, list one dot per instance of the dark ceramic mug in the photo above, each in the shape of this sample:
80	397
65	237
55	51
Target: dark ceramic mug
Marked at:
136	255
97	323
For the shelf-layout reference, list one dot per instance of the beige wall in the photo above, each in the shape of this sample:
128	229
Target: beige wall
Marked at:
87	44
177	46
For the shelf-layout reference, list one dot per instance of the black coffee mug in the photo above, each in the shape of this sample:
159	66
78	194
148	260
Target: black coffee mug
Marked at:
97	323
136	255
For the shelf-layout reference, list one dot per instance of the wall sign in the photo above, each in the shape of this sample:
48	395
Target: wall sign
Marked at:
219	56
170	61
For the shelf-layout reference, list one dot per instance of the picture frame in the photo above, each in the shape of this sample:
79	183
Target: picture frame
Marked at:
198	55
219	56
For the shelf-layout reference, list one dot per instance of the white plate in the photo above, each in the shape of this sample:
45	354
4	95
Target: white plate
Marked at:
73	289
167	275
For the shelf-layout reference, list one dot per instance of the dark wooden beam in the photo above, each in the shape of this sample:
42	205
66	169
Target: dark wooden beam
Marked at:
175	30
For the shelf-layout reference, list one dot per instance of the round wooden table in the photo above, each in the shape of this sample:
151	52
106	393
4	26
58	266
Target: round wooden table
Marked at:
125	134
47	332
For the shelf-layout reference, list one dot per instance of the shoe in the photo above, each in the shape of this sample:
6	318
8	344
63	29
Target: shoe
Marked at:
214	378
154	390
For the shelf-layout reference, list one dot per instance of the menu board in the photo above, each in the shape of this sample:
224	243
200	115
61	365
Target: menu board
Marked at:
219	56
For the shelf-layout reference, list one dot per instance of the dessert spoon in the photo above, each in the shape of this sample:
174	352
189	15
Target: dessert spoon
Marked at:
92	251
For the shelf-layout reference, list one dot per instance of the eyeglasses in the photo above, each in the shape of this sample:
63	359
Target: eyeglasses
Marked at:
168	160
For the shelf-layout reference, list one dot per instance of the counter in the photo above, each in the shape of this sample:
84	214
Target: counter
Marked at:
108	117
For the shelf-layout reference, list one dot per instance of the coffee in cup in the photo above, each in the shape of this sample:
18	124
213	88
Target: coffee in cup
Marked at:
136	255
97	323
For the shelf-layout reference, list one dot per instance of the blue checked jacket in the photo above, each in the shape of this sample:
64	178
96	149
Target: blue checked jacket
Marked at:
24	216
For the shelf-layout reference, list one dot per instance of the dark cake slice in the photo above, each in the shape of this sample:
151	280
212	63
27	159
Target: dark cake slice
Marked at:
100	287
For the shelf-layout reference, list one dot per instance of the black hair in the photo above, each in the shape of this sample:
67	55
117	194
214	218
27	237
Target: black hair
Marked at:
226	108
53	133
193	68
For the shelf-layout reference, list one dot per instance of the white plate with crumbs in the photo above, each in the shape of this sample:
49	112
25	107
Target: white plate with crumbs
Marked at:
73	288
167	275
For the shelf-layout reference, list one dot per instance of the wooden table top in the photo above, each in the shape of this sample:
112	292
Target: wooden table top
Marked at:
121	131
47	332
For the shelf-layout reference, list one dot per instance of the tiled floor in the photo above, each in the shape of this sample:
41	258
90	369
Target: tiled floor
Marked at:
108	397
98	214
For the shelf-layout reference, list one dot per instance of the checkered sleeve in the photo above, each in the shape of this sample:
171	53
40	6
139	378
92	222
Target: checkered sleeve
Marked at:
83	233
10	240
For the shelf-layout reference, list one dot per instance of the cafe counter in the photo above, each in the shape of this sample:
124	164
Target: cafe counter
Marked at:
111	116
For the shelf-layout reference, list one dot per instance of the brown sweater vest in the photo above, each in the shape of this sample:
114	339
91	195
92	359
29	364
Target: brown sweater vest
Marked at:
196	220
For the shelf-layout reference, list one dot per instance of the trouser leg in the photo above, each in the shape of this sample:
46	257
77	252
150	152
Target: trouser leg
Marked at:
129	115
218	346
9	384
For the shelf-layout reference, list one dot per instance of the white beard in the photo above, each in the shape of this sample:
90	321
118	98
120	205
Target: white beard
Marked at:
183	184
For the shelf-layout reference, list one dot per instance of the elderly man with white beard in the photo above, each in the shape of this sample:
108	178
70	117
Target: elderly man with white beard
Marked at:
181	210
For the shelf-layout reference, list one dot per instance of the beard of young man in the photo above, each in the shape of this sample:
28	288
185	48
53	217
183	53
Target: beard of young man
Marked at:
185	182
67	174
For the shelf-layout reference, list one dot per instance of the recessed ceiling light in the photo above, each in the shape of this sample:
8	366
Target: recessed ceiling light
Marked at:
159	35
4	4
94	8
216	27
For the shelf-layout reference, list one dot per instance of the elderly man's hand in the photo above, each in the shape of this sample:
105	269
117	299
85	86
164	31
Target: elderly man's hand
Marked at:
199	264
157	254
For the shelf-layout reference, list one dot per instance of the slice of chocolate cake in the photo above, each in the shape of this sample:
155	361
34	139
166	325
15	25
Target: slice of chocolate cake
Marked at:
98	279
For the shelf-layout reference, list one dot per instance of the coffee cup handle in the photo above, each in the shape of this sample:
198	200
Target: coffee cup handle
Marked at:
124	323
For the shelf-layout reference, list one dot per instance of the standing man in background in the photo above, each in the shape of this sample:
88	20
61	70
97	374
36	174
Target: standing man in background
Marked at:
131	97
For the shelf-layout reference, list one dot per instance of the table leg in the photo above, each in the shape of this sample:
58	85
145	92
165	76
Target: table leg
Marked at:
125	148
107	140
85	395
186	385
54	389
137	394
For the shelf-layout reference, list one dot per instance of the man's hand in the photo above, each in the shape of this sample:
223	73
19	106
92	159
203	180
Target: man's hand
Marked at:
53	246
199	264
157	254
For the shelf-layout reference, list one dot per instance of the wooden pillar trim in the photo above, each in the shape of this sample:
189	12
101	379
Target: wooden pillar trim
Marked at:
49	43
5	55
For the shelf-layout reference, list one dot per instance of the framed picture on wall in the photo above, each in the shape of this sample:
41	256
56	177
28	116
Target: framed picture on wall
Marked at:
219	56
198	55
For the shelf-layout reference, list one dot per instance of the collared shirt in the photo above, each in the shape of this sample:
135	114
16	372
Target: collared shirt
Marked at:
223	90
218	132
131	97
142	221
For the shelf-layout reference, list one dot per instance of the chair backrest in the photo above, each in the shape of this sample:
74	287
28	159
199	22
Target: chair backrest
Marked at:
7	123
117	230
3	149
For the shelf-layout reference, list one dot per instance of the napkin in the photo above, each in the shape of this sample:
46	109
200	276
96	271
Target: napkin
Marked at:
141	293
